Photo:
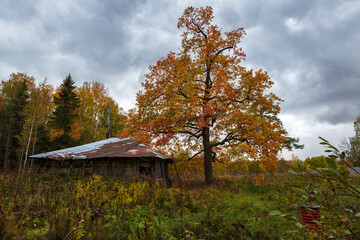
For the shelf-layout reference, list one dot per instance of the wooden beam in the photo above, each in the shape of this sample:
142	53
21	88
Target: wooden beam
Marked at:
83	168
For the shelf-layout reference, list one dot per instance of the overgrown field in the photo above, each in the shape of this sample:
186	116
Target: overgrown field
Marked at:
54	205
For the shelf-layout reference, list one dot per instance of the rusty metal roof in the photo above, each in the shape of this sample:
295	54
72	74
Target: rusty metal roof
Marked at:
109	148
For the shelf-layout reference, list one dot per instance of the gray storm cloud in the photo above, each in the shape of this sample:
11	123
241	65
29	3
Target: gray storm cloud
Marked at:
309	48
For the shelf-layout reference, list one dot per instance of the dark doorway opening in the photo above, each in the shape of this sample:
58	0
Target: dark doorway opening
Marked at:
145	170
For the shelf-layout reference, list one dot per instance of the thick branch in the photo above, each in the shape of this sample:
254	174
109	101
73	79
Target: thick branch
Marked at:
208	79
213	119
201	81
222	142
220	51
228	139
198	27
196	135
195	155
183	94
213	156
192	126
236	101
207	98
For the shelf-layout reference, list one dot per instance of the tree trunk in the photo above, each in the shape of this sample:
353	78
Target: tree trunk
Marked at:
34	142
21	156
7	148
1	155
207	156
206	131
177	174
28	144
33	147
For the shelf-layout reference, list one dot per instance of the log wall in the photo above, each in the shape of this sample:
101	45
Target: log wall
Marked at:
131	167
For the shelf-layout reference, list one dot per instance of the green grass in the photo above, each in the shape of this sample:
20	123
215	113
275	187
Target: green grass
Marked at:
57	206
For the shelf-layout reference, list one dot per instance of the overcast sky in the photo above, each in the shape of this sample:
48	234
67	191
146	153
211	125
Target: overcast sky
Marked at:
310	49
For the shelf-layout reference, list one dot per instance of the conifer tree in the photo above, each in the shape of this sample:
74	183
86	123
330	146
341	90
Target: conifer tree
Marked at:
15	94
66	102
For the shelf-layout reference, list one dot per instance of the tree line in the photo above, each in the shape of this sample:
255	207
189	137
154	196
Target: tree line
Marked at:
37	118
351	147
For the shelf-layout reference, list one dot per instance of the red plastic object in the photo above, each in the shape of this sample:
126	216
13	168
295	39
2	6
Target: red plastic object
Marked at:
309	215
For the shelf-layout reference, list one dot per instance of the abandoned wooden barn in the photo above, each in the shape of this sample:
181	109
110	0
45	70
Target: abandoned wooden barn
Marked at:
113	156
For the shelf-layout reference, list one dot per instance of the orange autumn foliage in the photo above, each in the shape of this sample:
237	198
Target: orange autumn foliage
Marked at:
91	125
204	100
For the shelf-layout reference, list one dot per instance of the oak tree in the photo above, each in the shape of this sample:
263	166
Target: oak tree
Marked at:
203	98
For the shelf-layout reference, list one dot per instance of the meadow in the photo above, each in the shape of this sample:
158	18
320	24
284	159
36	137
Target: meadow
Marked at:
56	205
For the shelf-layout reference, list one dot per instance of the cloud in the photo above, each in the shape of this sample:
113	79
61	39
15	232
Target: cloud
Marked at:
309	48
309	129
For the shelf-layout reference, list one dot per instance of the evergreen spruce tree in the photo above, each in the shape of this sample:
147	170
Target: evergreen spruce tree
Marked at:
20	101
64	114
15	94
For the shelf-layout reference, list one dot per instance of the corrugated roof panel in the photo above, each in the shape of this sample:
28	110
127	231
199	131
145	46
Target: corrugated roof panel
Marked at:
109	148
